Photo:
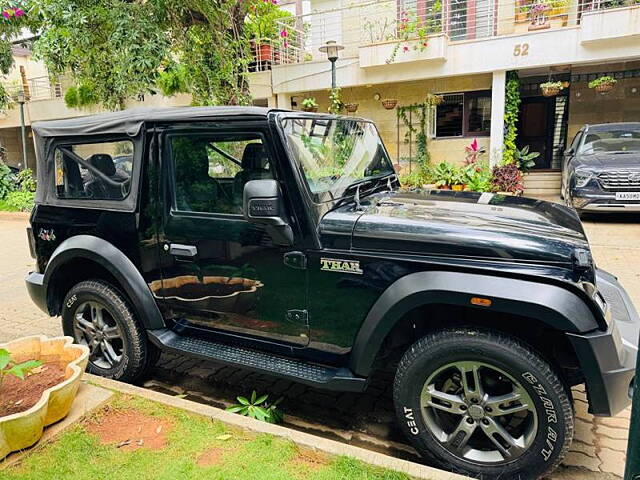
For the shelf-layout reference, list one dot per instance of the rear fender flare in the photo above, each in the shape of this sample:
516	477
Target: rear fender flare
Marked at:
555	306
115	262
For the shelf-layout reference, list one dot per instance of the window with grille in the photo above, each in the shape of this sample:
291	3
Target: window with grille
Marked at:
463	114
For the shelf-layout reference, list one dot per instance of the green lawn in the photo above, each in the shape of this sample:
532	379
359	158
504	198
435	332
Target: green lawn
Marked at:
240	455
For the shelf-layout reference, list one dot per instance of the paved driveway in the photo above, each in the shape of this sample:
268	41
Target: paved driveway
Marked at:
599	447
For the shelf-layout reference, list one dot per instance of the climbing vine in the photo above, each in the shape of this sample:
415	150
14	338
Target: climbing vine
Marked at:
423	112
511	109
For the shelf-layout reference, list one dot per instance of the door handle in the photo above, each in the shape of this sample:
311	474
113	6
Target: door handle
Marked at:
183	250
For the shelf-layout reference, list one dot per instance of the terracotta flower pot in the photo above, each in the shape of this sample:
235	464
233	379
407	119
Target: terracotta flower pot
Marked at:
604	88
263	52
23	429
310	109
444	187
389	103
351	107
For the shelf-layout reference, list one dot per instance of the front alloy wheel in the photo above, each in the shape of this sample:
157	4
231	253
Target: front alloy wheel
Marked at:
479	412
483	404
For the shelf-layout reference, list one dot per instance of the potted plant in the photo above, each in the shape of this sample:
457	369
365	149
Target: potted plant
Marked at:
351	107
389	103
309	104
525	160
443	176
551	89
478	177
507	179
262	27
538	16
39	379
459	179
473	152
603	84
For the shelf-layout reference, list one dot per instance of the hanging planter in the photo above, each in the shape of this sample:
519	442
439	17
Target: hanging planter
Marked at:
551	89
351	107
309	104
603	85
389	103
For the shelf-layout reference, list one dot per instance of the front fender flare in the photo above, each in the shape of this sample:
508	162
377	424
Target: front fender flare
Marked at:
557	307
118	264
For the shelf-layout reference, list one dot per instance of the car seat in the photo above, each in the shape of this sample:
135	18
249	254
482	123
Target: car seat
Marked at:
255	166
96	187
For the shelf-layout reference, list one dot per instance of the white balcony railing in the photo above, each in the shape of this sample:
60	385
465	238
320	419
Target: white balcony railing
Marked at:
405	21
36	88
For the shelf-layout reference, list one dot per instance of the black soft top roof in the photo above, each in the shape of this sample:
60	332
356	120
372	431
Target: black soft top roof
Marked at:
129	122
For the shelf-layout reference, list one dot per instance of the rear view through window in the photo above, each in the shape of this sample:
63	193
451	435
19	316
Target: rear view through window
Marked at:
99	171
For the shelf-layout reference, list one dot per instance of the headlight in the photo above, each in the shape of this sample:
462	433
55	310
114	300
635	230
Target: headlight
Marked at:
582	177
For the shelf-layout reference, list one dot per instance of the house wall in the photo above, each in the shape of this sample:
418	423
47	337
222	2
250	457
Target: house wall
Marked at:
10	139
620	105
407	93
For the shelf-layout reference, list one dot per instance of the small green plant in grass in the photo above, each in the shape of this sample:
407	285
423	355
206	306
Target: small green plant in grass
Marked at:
9	367
258	408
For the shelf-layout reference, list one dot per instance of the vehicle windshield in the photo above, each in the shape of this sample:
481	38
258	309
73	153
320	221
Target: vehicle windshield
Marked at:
611	141
335	154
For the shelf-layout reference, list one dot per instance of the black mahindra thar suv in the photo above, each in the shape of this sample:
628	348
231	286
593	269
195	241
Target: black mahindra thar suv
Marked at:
281	242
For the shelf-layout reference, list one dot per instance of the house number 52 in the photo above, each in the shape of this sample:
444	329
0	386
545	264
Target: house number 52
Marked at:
521	50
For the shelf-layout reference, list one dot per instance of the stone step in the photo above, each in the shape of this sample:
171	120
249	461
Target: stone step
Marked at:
541	191
551	184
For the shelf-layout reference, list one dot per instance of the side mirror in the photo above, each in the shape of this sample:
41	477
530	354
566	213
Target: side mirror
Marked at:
263	205
568	152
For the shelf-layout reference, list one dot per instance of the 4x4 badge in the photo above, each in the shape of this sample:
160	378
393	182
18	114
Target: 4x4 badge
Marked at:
338	265
47	235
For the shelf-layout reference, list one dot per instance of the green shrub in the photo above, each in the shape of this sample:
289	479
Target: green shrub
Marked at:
25	180
6	181
20	201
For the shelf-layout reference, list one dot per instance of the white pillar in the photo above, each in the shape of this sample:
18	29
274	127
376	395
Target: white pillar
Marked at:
284	101
498	86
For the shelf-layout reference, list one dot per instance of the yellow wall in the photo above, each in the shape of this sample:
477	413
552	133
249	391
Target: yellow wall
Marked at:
450	150
620	105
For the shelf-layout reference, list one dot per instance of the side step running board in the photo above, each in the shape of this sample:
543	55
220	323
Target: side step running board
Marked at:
293	369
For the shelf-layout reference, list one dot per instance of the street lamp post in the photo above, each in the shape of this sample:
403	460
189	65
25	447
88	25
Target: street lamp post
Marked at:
22	100
332	49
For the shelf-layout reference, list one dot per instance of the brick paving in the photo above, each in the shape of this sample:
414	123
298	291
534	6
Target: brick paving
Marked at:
598	450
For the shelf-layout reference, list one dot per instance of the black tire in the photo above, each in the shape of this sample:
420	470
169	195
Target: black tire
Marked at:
546	418
137	355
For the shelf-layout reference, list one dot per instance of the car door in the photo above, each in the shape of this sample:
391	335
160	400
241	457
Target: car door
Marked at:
221	275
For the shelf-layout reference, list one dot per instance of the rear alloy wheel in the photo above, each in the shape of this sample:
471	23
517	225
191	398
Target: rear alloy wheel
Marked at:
483	404
95	314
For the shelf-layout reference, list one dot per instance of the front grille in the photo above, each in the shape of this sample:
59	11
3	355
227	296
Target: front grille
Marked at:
620	179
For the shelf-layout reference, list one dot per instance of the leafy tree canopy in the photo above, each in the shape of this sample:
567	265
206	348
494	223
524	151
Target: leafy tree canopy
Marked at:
115	50
12	20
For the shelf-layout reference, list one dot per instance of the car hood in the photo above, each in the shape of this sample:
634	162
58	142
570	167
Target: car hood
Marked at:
460	224
610	160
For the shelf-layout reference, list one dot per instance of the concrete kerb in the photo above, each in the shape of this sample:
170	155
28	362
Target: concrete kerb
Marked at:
18	216
304	439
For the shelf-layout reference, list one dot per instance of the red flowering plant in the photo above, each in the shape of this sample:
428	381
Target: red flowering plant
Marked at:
266	22
13	19
507	178
413	30
474	152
